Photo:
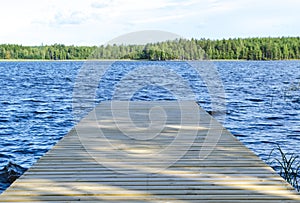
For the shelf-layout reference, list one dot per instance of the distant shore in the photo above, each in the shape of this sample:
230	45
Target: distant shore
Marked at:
83	60
266	48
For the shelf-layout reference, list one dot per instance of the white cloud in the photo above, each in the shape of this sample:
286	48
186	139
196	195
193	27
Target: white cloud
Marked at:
100	4
75	17
98	21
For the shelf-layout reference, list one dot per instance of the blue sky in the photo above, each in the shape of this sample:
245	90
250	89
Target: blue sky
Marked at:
95	22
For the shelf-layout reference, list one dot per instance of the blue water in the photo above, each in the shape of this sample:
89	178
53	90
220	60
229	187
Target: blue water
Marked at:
262	104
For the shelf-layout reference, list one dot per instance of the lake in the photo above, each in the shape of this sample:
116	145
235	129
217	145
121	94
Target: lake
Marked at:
36	101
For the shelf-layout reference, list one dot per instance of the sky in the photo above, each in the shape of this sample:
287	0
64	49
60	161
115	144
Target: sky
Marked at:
95	22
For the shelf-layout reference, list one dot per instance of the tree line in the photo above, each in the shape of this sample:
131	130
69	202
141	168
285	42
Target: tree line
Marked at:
280	48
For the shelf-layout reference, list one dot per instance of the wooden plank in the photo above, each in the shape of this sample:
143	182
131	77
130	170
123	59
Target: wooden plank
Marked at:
71	171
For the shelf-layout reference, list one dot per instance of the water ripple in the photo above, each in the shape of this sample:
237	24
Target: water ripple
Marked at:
263	105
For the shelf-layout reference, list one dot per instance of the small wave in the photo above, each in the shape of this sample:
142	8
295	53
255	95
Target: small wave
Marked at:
7	156
254	100
40	112
268	142
10	173
240	135
32	100
274	117
269	124
4	120
295	137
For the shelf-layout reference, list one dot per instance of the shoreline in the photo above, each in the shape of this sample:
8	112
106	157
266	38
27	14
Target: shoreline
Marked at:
103	60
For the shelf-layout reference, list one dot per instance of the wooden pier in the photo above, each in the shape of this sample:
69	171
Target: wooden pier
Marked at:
154	152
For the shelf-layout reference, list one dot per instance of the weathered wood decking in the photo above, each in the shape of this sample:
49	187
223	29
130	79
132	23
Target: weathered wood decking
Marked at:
129	163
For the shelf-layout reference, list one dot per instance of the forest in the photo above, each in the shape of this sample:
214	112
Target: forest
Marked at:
280	48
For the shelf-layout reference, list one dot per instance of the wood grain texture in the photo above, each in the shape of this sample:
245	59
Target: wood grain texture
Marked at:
117	161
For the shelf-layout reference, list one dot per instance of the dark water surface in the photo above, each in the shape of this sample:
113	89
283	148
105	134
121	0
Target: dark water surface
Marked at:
263	105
